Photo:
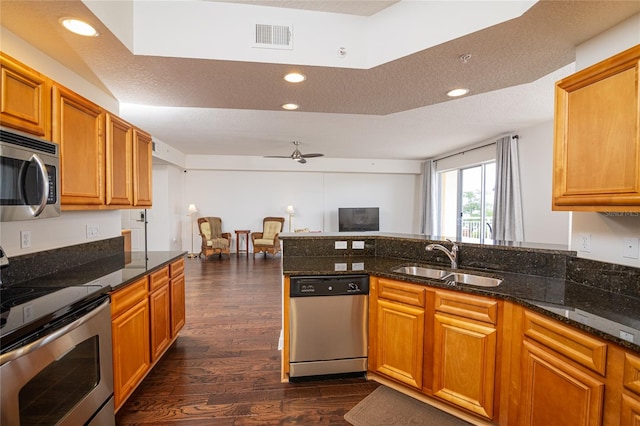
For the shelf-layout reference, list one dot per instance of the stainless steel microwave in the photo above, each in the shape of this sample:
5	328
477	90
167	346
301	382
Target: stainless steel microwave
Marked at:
29	177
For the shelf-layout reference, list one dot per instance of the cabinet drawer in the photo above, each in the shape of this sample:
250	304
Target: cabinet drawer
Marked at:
129	296
409	294
576	346
159	278
472	307
631	377
176	268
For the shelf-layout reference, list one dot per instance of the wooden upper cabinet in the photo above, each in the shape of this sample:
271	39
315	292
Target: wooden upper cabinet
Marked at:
119	181
78	128
26	97
597	139
141	168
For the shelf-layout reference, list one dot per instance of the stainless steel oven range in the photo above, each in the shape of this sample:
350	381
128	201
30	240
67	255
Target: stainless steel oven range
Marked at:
55	356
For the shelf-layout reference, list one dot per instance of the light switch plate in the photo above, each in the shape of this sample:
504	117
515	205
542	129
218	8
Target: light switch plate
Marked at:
357	245
340	267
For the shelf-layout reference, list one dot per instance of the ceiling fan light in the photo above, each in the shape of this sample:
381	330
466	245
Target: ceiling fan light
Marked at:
290	107
79	27
457	92
295	77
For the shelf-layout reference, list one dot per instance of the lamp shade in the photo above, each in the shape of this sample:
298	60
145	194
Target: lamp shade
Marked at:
290	210
192	209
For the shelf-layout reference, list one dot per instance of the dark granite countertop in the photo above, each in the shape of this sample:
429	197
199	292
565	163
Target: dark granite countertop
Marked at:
601	313
110	271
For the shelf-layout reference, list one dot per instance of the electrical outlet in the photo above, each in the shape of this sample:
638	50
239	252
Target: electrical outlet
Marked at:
92	231
584	243
25	239
626	336
340	267
357	245
631	250
341	245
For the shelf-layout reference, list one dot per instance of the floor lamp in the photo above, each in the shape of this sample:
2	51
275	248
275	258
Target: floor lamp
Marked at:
291	214
192	212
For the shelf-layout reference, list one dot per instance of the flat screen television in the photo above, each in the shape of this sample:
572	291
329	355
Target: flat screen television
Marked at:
358	219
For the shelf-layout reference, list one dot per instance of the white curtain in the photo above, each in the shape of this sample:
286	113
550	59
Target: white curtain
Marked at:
429	200
507	215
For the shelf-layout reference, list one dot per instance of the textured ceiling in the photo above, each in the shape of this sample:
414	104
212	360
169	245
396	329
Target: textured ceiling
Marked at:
395	110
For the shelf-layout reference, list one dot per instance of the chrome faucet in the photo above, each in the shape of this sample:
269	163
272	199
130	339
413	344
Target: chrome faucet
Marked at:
452	255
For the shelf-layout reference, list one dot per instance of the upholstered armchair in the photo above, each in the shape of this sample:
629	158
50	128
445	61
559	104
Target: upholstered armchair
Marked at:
267	241
214	241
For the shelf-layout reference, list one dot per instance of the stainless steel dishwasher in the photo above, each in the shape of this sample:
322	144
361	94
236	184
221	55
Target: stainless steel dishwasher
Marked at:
328	325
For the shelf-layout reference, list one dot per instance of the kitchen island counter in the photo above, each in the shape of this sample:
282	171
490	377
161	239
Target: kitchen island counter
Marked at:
563	292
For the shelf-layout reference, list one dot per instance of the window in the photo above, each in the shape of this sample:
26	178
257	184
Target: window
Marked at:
465	202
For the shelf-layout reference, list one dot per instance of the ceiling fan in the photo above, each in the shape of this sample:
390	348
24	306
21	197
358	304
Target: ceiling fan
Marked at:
296	155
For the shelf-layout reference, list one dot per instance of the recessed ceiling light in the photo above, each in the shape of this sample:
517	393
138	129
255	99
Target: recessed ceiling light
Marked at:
290	107
79	27
457	92
295	77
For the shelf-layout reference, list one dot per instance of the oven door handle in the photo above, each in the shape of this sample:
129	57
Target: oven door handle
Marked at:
11	355
42	169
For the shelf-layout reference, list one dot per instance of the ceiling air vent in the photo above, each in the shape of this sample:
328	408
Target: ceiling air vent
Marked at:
273	36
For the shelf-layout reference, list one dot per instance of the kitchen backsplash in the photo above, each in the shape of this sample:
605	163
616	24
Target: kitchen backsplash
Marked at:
35	265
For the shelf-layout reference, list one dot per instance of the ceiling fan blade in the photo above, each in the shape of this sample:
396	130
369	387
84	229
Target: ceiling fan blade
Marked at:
277	156
301	160
312	155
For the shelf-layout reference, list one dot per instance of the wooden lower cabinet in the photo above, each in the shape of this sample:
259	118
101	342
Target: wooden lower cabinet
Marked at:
397	330
497	361
400	341
177	304
554	392
146	317
464	363
130	338
465	350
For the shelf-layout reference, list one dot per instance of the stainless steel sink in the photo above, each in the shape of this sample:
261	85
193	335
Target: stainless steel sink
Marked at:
448	276
420	271
470	279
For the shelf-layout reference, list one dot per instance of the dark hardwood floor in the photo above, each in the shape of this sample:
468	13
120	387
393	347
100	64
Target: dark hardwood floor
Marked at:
224	369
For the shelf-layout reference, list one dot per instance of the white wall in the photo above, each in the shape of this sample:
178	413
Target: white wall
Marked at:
607	231
243	198
165	218
541	224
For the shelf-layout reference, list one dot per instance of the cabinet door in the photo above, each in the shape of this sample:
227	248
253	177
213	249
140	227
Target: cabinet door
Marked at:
399	342
630	413
25	98
464	363
131	358
78	128
597	143
178	318
553	392
119	173
141	168
160	314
